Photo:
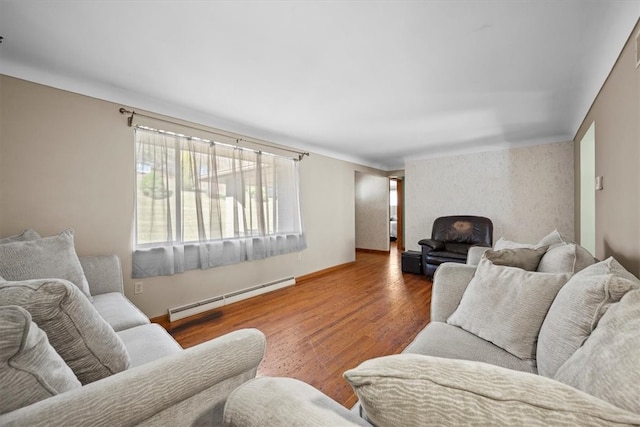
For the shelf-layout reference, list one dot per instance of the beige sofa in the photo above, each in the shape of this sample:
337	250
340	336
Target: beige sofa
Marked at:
558	345
95	359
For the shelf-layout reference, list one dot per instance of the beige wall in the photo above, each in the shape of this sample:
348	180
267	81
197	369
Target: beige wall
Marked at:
67	161
527	192
372	211
616	113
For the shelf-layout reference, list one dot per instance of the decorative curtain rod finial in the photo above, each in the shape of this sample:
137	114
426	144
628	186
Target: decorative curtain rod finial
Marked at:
130	119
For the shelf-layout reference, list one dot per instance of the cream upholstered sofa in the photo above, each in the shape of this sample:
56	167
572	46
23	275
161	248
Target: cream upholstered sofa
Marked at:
75	351
556	345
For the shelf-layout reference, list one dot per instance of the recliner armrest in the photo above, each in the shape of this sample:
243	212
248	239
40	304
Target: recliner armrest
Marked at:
435	245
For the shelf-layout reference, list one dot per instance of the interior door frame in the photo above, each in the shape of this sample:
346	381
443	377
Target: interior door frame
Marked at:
400	229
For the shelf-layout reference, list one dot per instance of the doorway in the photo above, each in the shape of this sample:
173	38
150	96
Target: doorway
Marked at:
587	190
396	212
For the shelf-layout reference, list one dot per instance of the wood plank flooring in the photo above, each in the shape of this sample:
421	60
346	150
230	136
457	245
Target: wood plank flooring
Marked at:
328	323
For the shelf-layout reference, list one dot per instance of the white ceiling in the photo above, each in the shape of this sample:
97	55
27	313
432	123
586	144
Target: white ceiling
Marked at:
376	82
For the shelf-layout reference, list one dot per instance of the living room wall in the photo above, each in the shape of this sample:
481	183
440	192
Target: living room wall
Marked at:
527	192
67	161
616	114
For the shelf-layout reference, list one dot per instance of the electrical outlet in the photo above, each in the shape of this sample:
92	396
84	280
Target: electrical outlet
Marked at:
138	288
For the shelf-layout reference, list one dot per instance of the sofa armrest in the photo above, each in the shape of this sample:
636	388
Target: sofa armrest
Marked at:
432	391
449	283
188	388
104	273
431	245
475	254
270	401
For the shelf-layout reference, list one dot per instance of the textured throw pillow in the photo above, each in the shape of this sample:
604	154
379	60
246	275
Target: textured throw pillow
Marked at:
74	328
550	239
524	258
47	258
415	390
577	309
30	369
565	258
606	366
507	305
27	234
553	238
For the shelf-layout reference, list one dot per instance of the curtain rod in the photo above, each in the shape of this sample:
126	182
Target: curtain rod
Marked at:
123	110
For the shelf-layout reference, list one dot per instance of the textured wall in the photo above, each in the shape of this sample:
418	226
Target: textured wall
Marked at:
527	192
372	212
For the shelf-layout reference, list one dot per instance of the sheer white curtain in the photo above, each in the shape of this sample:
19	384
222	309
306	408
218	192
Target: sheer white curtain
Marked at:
201	204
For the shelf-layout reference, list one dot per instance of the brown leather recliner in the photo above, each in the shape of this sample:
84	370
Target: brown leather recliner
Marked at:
451	238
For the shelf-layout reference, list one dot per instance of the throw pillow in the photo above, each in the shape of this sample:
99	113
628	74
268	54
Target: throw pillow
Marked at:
81	337
507	305
606	366
27	234
553	238
524	258
49	257
550	239
417	390
577	309
30	369
565	258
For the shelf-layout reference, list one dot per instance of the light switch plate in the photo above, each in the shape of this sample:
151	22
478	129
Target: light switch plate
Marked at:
599	183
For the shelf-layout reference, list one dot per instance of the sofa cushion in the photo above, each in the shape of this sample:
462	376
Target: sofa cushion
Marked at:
74	328
47	258
414	390
118	311
457	248
442	340
606	366
550	239
146	343
30	369
507	305
565	258
27	234
577	310
524	258
439	257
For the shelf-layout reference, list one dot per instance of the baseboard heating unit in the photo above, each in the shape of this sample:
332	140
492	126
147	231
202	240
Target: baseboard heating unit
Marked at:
187	310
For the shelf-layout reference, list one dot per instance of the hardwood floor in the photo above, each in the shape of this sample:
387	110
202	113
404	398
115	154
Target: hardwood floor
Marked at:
326	324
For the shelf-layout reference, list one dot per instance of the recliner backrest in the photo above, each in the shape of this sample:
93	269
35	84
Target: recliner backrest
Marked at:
473	230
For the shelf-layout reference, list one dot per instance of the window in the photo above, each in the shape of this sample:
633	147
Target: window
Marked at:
201	204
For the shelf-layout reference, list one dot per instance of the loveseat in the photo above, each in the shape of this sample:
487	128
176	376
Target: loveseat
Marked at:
538	334
75	351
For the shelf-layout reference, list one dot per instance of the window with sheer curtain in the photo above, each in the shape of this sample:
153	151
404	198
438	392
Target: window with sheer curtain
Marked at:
202	204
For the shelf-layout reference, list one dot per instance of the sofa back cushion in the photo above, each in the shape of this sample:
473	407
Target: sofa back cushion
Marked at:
577	309
467	229
88	345
550	239
606	366
30	369
507	305
49	257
